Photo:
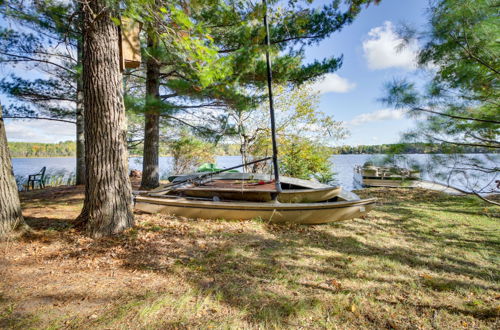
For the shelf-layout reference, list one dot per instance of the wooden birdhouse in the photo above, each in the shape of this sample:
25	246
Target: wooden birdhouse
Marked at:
130	43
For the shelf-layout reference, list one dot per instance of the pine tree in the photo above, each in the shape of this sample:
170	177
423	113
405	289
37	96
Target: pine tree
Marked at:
49	42
107	208
217	76
460	104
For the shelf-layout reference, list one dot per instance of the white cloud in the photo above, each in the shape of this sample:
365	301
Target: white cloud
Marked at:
382	49
379	115
38	131
333	83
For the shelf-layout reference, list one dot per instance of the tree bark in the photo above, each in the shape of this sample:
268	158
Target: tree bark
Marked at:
107	207
80	125
80	140
10	206
150	162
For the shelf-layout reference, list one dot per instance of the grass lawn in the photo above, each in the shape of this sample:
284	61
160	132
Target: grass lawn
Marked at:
419	260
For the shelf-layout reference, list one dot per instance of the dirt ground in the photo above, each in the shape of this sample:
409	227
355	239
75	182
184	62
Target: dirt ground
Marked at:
420	260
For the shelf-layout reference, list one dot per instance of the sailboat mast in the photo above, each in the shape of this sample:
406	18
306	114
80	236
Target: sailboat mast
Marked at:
271	102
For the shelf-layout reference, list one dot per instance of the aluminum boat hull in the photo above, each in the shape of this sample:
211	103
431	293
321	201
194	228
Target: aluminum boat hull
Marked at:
299	213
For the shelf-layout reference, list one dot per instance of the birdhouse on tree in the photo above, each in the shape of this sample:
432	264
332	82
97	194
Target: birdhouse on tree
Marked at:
130	43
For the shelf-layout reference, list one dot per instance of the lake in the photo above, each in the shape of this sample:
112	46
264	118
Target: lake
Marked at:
342	165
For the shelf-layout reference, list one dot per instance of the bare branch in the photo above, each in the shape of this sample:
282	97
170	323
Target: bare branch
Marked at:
485	199
167	96
20	58
41	118
457	117
467	144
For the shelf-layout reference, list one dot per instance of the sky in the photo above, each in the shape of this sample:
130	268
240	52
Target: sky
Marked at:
371	58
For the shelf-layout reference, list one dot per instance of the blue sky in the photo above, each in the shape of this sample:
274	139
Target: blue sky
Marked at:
351	94
370	60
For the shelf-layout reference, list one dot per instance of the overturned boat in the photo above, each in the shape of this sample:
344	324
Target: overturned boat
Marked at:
342	207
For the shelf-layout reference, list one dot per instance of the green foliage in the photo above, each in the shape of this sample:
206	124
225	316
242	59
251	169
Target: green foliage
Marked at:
46	42
464	45
297	114
237	30
305	159
303	133
211	52
405	148
67	149
460	105
227	149
30	149
189	152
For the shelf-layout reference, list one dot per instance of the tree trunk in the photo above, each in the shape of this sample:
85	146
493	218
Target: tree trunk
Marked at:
80	125
10	206
80	109
244	153
150	162
243	143
80	138
107	207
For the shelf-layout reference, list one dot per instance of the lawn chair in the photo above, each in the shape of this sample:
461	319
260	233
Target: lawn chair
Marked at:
38	177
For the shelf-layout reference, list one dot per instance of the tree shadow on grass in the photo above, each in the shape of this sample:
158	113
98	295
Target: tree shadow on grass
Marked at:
10	319
260	274
417	225
252	284
438	207
431	200
480	312
353	247
47	230
52	196
257	273
46	223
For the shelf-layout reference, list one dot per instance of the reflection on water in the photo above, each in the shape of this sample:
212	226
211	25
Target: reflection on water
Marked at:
343	166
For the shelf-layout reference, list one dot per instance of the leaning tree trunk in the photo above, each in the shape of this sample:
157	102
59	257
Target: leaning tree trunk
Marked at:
150	161
107	207
10	207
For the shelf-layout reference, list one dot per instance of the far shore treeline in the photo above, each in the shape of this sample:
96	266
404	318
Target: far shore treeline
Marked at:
68	149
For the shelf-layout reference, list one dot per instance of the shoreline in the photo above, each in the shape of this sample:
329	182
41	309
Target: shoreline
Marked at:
140	156
32	157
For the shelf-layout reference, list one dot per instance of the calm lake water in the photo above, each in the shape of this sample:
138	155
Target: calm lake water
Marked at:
342	165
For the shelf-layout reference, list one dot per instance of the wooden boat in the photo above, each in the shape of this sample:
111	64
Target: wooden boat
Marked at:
343	207
250	187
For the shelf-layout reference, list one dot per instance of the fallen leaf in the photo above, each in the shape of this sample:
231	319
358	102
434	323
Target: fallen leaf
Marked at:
334	283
